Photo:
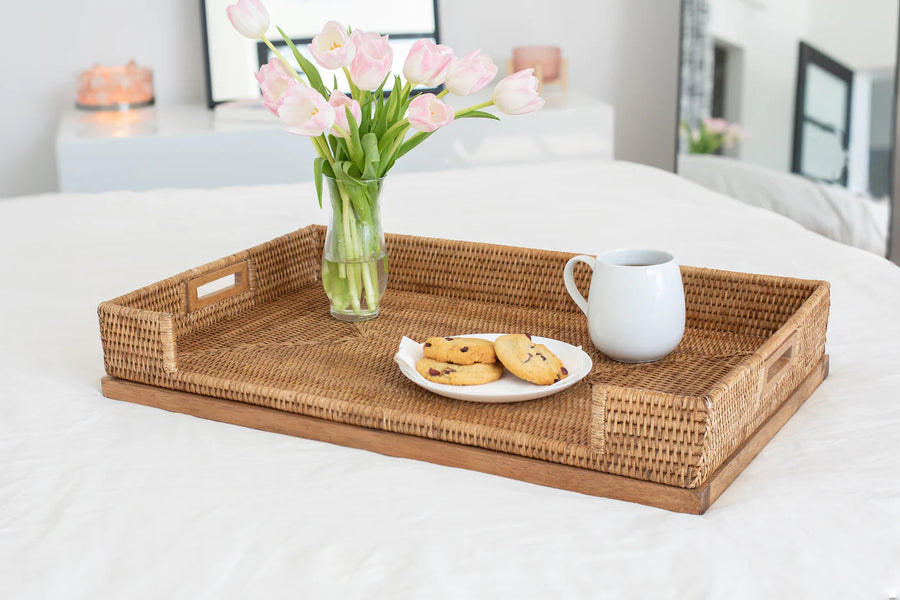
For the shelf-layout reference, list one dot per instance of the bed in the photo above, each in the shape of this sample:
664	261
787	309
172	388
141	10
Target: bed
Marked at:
107	499
831	210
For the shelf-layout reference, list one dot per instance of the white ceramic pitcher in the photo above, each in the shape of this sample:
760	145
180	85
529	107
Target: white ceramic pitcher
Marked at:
635	307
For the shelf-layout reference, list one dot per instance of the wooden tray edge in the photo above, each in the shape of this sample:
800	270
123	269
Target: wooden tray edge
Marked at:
595	483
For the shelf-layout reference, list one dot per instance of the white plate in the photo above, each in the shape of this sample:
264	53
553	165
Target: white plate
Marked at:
508	388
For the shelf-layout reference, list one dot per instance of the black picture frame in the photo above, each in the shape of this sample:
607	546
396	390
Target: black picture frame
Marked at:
810	55
210	103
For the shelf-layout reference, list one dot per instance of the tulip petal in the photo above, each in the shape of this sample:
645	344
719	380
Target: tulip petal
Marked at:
470	74
517	94
249	17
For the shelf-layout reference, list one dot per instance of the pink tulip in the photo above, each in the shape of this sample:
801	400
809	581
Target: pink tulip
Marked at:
339	101
372	61
427	63
517	94
470	73
332	48
427	113
249	17
715	125
274	80
306	112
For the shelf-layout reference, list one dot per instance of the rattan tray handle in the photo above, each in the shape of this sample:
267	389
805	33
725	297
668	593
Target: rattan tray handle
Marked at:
780	363
241	273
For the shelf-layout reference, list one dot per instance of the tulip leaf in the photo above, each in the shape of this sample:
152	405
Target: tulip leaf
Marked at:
478	114
353	173
411	143
407	90
380	117
387	117
334	145
372	156
395	102
317	175
339	148
354	146
365	124
315	80
343	171
389	138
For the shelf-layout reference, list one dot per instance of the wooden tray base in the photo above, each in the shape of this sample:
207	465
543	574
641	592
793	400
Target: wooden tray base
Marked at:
595	483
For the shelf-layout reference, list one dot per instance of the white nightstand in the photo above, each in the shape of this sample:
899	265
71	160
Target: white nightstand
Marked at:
194	147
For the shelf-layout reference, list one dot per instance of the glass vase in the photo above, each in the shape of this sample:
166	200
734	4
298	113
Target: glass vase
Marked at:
354	261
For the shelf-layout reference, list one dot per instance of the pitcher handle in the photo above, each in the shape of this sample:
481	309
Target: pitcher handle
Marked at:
569	278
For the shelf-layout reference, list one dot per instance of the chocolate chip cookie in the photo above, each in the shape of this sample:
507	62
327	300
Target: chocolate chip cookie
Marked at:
460	351
528	360
444	372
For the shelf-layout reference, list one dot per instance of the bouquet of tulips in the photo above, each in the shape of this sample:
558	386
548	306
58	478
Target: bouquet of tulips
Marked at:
359	137
712	134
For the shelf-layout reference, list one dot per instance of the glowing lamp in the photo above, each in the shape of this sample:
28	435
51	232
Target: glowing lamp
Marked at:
114	88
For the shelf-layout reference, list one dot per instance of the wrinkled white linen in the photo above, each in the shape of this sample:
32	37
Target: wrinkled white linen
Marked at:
830	210
106	499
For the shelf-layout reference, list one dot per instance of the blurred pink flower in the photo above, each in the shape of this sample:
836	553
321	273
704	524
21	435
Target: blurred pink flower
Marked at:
427	113
332	48
339	101
427	63
306	112
715	125
470	73
274	80
517	94
372	61
249	17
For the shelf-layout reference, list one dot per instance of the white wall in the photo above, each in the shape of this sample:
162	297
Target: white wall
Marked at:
622	51
839	27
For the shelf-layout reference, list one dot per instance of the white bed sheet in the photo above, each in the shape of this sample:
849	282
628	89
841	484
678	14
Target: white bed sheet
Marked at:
830	210
106	499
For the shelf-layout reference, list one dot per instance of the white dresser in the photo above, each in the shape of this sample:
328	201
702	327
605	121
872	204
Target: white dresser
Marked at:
195	147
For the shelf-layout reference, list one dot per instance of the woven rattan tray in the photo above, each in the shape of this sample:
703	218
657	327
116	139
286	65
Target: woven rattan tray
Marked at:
264	352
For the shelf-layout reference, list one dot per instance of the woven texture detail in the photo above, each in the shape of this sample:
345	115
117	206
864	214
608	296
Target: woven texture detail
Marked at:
673	421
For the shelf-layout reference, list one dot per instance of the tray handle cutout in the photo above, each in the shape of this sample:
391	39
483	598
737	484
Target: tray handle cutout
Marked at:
779	363
208	289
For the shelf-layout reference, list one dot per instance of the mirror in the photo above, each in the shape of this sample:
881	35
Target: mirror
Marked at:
232	59
789	105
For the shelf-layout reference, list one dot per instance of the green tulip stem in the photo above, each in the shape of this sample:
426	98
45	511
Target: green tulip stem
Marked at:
342	133
355	248
322	148
464	111
354	91
398	125
395	145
